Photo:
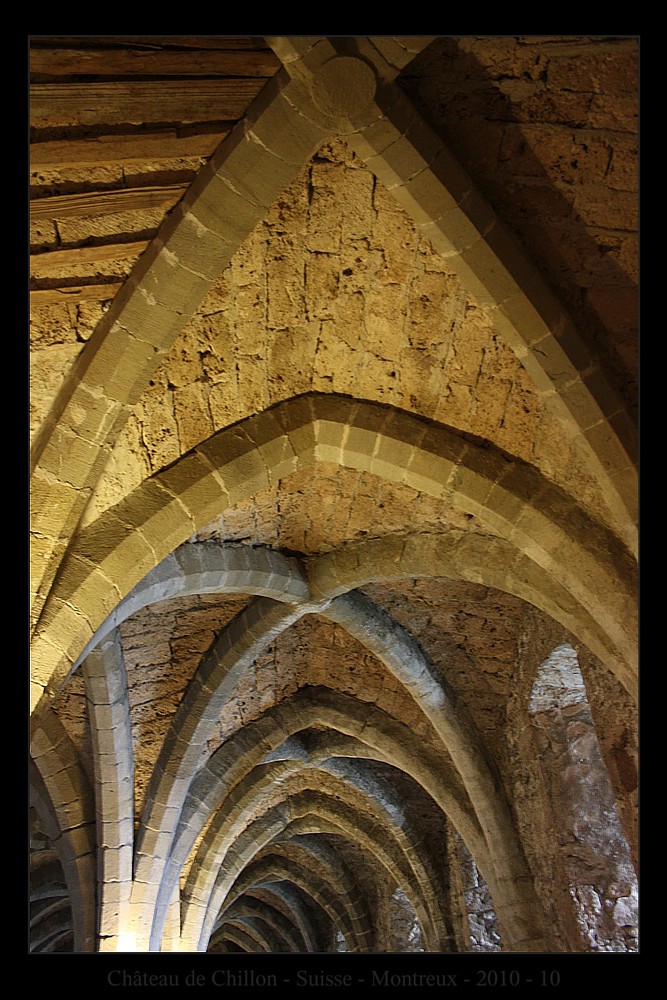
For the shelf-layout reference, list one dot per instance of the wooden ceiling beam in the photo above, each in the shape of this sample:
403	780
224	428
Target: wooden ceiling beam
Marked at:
141	101
106	202
74	293
161	62
224	42
154	146
46	265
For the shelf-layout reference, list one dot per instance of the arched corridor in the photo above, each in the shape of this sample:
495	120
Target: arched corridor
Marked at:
333	412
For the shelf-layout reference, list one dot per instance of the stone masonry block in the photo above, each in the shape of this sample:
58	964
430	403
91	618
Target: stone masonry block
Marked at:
70	627
293	138
225	213
425	198
531	523
329	441
172	285
392	459
150	500
429	473
198	249
606	446
256	172
51	504
149	322
504	505
71	458
245	476
359	447
121	361
102	538
192	481
470	487
225	446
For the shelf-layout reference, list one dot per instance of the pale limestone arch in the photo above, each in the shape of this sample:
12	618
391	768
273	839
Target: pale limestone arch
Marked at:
227	775
52	925
273	874
341	805
209	568
63	799
397	851
239	644
230	196
50	909
509	879
236	648
508	876
286	901
314	868
316	822
287	932
263	936
354	729
113	761
311	853
541	523
243	941
388	557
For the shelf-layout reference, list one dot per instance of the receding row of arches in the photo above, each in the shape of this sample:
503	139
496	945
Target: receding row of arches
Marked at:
271	807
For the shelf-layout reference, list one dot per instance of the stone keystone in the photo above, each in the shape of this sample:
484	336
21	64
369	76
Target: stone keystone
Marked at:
344	88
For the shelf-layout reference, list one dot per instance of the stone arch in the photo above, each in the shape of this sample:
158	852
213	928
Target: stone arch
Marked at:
240	643
109	709
319	884
413	554
396	848
63	799
227	776
288	935
210	223
514	501
210	569
287	901
51	922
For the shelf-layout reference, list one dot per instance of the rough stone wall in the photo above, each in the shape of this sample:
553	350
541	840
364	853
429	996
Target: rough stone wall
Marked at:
482	924
334	291
602	882
57	334
350	505
406	933
616	725
548	128
162	648
584	872
469	632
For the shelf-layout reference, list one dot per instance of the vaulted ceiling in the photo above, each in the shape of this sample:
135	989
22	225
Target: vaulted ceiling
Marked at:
333	404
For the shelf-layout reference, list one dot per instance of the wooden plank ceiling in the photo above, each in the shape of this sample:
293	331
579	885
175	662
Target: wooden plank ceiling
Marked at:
119	127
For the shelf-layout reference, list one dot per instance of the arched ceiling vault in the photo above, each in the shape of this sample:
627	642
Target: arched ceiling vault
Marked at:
312	484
